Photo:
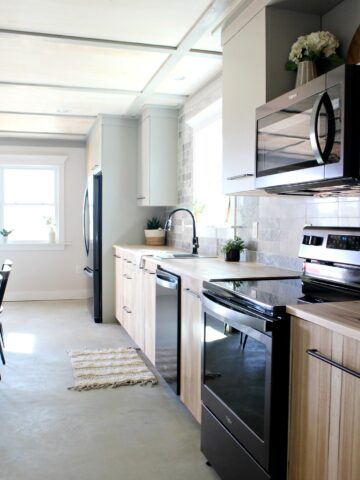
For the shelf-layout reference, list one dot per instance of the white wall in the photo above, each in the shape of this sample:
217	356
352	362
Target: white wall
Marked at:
47	275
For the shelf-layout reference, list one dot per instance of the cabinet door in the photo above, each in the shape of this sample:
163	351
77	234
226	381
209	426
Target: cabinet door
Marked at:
129	291
324	405
349	427
244	89
93	149
310	403
191	335
143	173
157	165
149	293
119	285
138	308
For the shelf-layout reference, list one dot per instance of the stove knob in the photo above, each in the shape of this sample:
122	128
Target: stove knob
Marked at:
306	240
316	240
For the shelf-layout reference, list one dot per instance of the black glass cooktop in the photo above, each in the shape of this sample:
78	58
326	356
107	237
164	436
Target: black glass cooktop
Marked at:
271	296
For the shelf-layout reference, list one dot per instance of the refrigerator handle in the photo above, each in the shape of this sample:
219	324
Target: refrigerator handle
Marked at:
85	218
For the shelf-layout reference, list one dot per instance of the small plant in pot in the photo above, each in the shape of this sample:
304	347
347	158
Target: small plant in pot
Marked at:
232	249
5	233
154	234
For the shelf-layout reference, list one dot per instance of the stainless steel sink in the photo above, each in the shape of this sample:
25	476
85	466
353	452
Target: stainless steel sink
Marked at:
191	255
181	255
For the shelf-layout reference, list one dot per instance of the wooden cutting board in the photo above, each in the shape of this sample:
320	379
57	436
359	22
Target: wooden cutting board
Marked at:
353	55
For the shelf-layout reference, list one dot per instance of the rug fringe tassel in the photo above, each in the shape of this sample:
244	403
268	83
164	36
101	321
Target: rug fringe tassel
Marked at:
80	388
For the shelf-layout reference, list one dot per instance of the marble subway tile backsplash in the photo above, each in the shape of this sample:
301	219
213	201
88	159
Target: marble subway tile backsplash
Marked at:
280	223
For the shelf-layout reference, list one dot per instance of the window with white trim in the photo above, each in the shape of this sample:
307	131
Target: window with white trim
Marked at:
210	204
31	199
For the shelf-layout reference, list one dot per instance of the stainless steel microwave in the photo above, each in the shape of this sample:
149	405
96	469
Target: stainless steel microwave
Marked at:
308	140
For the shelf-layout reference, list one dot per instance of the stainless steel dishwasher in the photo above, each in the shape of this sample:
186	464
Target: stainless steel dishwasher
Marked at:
167	328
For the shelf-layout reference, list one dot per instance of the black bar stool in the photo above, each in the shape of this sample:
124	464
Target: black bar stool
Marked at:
4	274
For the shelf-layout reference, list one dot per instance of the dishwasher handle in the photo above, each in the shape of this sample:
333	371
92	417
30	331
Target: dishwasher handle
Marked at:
166	280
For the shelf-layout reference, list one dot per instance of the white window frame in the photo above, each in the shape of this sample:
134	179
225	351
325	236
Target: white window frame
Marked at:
200	120
38	161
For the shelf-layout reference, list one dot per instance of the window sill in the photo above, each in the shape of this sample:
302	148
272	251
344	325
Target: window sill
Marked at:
22	247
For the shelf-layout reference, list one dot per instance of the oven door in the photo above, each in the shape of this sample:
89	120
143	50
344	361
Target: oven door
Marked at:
236	376
299	135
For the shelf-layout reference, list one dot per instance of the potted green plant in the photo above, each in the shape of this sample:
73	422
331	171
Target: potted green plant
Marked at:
5	233
154	234
232	249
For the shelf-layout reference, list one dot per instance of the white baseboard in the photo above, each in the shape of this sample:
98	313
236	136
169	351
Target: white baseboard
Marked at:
46	295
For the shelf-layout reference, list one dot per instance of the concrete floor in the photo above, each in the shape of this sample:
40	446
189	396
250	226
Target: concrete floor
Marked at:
51	433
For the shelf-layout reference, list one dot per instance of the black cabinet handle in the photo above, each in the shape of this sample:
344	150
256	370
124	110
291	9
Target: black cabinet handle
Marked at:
315	353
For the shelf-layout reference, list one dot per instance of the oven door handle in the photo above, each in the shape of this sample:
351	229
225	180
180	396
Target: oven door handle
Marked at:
232	315
322	156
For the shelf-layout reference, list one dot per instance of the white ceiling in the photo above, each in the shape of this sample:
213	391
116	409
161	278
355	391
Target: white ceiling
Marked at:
74	59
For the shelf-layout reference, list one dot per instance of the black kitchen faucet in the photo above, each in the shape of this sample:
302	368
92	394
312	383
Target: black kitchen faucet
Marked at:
195	240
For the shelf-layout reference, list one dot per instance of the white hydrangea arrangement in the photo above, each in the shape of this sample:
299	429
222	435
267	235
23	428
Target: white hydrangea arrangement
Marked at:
315	46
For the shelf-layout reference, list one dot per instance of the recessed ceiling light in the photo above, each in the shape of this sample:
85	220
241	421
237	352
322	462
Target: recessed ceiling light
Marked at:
180	78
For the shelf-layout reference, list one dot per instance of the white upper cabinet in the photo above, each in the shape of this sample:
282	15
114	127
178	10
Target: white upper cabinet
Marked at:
157	161
255	51
244	87
93	149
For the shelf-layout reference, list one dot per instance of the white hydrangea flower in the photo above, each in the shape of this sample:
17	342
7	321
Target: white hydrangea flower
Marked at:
314	46
297	49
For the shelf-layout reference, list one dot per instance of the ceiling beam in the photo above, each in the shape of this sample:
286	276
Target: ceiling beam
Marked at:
33	132
73	88
201	26
65	115
76	88
104	43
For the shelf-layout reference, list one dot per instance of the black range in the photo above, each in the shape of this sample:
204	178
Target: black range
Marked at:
246	351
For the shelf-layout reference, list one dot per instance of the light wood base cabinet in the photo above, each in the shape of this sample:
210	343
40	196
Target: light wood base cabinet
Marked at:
118	285
324	441
191	334
149	294
135	290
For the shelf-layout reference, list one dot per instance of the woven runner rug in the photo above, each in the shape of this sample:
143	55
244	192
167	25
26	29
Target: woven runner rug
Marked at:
113	368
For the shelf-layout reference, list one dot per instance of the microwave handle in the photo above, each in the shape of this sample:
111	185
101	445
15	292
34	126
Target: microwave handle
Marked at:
322	156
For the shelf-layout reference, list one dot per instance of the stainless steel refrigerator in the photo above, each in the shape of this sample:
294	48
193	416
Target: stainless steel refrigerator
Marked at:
92	233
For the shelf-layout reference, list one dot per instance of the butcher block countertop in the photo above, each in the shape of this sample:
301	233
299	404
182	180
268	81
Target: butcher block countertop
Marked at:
341	317
217	268
207	268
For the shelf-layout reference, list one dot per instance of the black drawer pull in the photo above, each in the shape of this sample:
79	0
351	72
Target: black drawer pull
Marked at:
315	353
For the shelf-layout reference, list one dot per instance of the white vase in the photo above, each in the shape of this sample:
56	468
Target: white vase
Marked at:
51	236
5	239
